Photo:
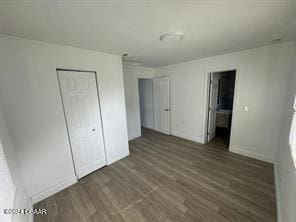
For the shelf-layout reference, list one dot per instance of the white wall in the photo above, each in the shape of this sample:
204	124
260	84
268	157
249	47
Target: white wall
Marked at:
285	168
131	74
21	199
262	80
31	98
146	103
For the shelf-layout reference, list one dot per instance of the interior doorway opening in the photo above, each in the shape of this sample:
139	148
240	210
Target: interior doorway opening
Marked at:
154	100
146	103
220	109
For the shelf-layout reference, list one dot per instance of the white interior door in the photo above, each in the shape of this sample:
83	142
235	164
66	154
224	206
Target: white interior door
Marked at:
161	104
82	111
213	101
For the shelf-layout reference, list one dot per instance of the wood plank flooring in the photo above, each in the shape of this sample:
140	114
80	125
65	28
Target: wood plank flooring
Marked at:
219	142
169	179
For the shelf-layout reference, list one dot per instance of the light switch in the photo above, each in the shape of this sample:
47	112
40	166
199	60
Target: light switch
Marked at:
246	108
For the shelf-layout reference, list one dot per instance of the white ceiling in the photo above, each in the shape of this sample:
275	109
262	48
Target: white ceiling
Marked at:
133	27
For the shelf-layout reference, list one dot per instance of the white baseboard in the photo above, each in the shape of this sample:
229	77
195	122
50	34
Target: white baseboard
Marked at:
53	190
184	136
148	127
131	137
117	158
251	154
277	194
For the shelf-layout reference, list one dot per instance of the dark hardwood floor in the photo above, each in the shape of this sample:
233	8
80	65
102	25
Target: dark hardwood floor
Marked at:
169	179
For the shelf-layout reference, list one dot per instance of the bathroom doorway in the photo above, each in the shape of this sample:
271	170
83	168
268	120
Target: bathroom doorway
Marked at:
221	97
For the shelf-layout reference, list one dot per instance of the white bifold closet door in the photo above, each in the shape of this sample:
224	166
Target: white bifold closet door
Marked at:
161	97
82	111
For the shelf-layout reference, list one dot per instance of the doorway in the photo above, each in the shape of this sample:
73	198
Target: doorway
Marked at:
146	103
220	108
80	100
155	104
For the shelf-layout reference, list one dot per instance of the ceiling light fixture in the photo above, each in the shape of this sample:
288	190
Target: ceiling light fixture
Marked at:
276	40
171	37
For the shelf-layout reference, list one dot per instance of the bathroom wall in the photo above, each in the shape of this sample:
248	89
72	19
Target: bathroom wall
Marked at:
226	94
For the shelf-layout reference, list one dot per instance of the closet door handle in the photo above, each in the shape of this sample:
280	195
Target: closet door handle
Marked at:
93	130
166	109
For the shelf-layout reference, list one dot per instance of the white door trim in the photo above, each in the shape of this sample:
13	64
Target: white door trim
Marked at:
64	112
206	100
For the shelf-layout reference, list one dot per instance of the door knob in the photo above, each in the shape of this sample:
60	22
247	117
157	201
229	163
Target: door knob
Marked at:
166	109
93	130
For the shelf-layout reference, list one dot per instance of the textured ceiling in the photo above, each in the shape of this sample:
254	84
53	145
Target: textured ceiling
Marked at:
210	27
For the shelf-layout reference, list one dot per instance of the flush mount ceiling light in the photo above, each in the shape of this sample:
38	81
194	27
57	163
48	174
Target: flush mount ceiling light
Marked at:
276	40
171	37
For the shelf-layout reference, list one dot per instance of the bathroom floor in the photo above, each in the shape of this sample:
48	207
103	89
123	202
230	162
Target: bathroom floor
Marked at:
222	138
220	142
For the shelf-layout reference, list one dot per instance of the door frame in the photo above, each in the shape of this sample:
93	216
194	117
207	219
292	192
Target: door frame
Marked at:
64	112
169	88
207	100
